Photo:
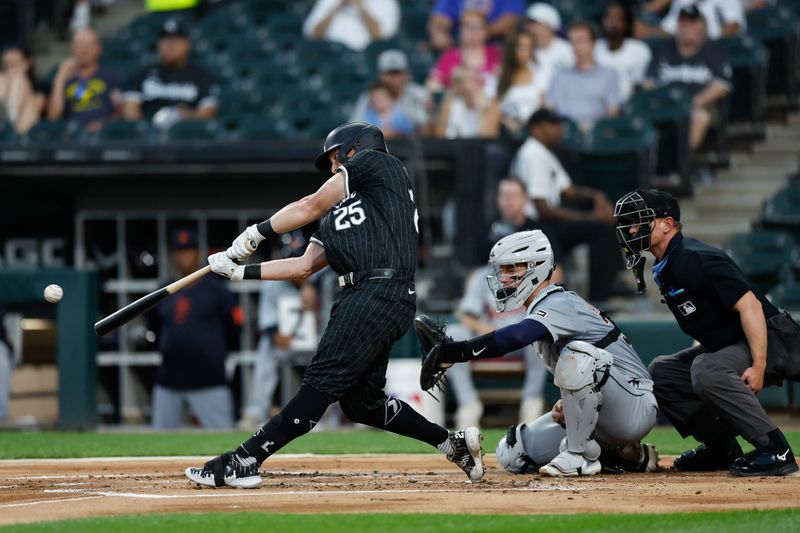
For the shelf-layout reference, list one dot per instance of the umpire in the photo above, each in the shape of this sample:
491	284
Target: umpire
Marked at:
745	343
368	235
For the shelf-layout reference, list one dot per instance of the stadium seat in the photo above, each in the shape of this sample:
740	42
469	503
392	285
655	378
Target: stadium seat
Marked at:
60	131
777	28
766	257
194	130
748	99
787	296
669	110
7	133
781	210
122	131
261	127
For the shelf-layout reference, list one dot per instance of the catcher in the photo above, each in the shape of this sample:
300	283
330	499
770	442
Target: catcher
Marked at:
592	362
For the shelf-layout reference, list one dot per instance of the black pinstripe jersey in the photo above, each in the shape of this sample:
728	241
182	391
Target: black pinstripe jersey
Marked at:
375	226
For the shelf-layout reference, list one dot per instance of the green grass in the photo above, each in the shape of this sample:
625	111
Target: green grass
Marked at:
738	521
20	445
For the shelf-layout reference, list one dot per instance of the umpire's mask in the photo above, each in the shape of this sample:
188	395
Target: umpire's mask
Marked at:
633	225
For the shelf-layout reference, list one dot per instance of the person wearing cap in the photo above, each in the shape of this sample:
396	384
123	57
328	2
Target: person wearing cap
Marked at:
587	91
723	17
550	188
194	331
444	25
619	51
695	65
542	22
412	99
174	89
83	90
709	391
353	23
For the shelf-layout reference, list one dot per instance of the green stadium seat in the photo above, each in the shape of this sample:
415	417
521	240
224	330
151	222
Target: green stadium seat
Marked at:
781	210
123	131
787	296
262	127
777	28
766	257
57	132
286	23
7	133
194	130
747	101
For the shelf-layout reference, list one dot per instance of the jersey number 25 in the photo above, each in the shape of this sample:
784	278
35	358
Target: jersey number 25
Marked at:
350	215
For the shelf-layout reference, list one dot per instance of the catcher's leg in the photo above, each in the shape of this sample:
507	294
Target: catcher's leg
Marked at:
527	447
579	374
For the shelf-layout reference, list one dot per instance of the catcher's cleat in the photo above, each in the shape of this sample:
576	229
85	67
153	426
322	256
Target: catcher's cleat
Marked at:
229	470
708	458
468	452
568	464
630	458
431	337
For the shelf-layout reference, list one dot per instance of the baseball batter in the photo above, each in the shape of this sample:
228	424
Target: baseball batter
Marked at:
592	362
368	235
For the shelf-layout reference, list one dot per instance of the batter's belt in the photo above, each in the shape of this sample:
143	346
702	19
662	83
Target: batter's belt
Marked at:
352	278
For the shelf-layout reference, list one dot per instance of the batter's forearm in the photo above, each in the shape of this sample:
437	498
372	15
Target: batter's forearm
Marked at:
282	269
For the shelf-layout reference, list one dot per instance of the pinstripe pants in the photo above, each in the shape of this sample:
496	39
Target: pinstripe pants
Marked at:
353	353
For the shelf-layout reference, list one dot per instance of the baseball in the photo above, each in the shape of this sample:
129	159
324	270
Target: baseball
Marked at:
53	293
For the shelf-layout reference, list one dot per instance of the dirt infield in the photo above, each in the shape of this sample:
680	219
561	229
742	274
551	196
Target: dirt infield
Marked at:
38	490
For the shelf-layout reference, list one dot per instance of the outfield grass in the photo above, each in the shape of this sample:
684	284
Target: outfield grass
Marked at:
738	521
21	445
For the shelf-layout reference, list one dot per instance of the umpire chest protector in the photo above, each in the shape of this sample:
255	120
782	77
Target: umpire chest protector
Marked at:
700	285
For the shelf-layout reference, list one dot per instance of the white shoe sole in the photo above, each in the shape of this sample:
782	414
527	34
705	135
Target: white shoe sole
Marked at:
552	470
474	437
249	482
194	475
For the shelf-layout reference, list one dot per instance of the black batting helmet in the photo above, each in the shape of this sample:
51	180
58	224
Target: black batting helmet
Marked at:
358	135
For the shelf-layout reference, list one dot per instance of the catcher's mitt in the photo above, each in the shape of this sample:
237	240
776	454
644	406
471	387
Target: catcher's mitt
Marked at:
432	337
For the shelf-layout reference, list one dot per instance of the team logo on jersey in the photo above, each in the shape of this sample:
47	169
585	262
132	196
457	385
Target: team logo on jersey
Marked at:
687	308
393	406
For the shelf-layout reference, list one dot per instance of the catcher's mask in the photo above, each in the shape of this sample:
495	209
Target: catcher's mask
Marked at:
633	225
521	262
358	135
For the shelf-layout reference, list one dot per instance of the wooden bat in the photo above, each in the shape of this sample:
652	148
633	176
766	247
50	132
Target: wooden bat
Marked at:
145	303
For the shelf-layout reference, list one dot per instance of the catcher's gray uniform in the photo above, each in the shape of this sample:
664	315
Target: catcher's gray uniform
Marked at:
629	408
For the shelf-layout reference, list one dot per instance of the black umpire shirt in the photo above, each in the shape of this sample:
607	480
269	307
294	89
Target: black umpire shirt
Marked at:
700	285
375	226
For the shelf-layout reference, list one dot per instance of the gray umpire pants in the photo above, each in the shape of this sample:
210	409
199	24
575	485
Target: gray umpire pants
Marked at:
212	406
703	395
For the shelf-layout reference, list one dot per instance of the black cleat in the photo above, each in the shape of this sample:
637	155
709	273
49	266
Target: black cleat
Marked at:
707	458
468	452
229	470
765	462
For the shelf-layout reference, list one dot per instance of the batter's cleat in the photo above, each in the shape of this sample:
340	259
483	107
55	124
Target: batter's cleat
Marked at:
228	470
468	452
765	462
708	458
568	464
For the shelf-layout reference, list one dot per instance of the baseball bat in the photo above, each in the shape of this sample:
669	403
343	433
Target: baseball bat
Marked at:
145	303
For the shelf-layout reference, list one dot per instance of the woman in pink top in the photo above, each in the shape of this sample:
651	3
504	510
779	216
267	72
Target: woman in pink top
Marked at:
472	53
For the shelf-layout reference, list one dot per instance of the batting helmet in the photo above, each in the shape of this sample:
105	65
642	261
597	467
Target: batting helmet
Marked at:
358	135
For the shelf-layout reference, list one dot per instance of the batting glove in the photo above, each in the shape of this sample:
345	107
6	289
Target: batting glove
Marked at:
245	244
222	265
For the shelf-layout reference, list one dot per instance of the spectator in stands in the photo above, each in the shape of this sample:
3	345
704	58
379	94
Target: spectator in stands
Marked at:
82	89
354	23
522	84
552	52
550	188
412	99
587	91
473	53
384	111
466	111
175	89
477	315
698	66
194	331
444	26
723	17
288	324
21	101
618	51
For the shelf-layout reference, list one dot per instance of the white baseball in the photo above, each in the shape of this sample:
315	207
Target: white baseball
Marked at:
53	293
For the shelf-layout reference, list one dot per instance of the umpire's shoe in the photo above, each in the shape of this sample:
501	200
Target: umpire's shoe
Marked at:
468	452
708	458
774	459
228	469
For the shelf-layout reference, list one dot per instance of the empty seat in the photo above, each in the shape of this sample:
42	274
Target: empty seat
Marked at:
194	130
787	296
781	210
123	131
766	257
60	131
777	29
261	127
7	133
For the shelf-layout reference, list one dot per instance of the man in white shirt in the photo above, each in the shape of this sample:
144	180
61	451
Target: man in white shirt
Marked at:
549	185
551	52
723	17
354	23
628	57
